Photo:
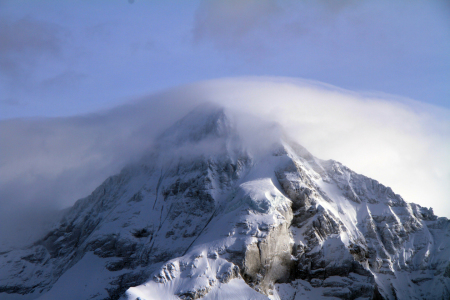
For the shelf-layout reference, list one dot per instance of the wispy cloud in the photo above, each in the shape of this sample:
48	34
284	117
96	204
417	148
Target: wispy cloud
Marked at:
49	163
400	142
62	57
390	45
229	24
24	42
33	61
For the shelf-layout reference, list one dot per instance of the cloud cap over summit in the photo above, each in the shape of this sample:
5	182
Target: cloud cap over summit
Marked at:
49	163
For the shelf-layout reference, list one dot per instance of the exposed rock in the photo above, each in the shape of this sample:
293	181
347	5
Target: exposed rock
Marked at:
224	223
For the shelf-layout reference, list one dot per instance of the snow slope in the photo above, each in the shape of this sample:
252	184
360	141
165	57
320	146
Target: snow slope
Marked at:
207	215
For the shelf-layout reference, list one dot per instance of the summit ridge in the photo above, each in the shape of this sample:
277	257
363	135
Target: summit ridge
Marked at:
206	216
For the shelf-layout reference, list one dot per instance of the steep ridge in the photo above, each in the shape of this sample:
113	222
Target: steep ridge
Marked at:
203	216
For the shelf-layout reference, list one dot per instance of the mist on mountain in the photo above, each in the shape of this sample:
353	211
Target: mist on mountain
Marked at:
47	164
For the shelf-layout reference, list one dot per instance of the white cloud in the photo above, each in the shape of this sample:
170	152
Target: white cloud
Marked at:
49	163
400	142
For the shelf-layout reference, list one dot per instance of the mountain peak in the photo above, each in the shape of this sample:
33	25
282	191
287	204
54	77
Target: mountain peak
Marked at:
271	226
207	121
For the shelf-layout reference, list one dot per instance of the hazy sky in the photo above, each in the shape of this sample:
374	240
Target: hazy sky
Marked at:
75	58
61	58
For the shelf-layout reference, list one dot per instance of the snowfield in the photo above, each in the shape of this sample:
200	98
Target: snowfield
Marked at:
206	215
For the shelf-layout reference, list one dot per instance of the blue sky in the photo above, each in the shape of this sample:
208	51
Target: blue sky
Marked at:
60	58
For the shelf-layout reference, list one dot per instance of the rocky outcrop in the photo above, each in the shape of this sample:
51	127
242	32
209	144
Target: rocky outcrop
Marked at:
190	223
268	260
389	240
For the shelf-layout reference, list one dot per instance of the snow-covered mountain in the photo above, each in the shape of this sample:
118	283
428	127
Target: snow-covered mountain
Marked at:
206	215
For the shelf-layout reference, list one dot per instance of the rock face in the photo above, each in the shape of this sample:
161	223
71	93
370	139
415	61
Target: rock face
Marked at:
203	217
